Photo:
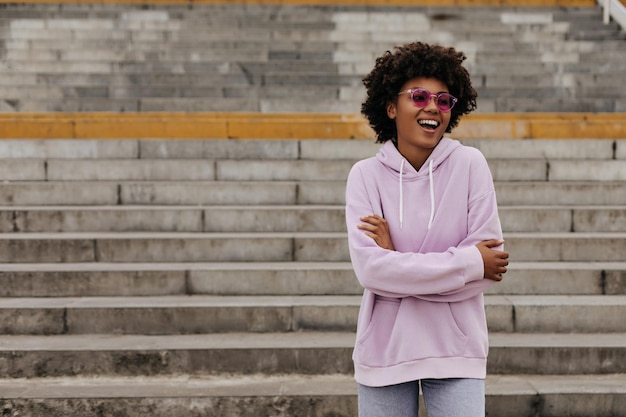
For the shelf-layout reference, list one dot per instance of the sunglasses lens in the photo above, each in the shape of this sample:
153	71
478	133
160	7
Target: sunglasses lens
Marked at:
420	97
445	101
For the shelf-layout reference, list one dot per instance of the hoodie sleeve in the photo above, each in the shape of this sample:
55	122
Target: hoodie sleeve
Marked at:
402	274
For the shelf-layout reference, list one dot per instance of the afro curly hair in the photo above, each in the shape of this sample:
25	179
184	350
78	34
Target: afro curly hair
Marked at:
412	60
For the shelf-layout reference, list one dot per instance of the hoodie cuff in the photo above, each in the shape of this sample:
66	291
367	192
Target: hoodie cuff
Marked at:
475	267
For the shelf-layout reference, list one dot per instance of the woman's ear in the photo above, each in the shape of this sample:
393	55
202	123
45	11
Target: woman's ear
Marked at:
391	110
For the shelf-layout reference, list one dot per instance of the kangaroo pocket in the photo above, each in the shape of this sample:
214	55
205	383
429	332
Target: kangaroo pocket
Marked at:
409	329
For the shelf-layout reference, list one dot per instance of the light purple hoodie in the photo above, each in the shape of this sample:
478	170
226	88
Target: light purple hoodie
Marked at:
422	314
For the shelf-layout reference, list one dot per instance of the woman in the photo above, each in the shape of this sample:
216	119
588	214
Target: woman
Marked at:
425	240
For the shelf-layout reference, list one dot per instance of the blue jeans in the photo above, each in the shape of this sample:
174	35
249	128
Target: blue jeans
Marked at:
442	398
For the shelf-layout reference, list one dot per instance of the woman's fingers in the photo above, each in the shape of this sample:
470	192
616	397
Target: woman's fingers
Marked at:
373	219
377	228
372	223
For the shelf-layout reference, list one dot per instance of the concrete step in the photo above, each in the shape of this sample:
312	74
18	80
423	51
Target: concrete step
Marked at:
613	31
311	353
70	105
563	192
257	67
342	45
303	218
225	103
45	79
216	314
181	25
297	395
279	170
283	219
268	57
597	92
496	45
201	355
278	48
181	29
144	104
270	247
190	170
235	89
556	354
177	314
309	149
571	247
554	314
54	193
551	150
562	219
64	148
76	49
182	149
572	83
271	278
572	105
328	104
170	193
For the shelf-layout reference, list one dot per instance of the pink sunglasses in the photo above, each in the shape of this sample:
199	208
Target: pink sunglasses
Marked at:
421	97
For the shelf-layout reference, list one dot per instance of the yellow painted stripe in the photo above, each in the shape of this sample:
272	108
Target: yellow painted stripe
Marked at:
415	3
296	126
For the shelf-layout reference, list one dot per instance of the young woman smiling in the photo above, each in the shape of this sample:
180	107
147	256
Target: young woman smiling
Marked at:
425	241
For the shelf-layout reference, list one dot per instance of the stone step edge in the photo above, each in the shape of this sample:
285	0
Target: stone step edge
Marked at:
220	125
270	266
273	301
295	207
182	386
439	3
266	235
288	340
130	208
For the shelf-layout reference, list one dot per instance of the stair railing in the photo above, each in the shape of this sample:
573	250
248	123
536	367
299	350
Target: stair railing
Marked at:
614	9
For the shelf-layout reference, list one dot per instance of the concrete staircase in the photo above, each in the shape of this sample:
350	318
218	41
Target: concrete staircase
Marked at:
212	278
142	58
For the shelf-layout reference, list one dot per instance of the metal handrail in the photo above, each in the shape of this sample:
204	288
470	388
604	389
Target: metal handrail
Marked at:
614	9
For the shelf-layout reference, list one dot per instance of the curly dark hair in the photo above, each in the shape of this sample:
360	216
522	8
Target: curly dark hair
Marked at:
393	70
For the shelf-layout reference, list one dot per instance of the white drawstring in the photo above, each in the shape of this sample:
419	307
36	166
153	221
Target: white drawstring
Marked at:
432	194
401	213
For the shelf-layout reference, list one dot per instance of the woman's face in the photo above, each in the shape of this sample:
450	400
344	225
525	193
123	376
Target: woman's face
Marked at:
419	128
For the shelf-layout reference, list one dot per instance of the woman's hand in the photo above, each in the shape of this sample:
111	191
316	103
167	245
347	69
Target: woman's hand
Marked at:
377	228
495	261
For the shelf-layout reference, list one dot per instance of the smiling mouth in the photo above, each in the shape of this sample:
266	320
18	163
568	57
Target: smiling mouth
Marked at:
428	124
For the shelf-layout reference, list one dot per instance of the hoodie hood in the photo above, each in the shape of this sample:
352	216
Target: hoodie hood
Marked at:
397	165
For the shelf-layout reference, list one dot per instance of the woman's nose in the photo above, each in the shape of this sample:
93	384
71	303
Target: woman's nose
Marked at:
431	105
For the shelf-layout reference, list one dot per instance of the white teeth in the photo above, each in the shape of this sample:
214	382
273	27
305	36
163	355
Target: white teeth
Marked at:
432	123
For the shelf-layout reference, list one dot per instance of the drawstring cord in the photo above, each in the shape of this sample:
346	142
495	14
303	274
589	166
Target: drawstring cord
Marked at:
432	194
401	213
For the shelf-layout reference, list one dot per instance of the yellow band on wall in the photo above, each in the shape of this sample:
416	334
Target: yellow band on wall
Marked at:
296	126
